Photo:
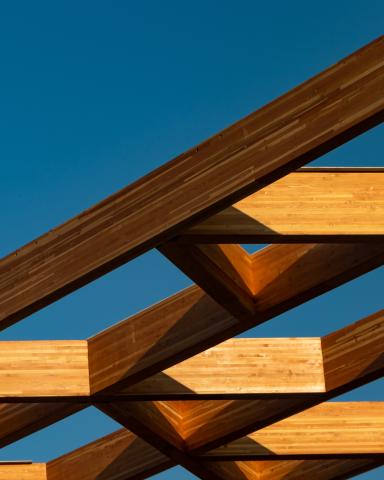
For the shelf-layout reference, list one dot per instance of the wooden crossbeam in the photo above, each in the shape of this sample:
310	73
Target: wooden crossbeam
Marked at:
23	471
237	368
275	278
328	430
310	205
312	119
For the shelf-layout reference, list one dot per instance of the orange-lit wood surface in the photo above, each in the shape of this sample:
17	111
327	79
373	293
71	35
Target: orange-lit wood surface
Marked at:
308	205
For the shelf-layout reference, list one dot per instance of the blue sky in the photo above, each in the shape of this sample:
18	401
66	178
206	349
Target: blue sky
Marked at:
95	94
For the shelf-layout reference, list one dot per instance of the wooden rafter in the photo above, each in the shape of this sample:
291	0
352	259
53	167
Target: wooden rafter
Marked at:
317	116
246	408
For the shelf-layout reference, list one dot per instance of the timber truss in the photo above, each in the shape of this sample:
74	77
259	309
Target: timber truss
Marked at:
184	390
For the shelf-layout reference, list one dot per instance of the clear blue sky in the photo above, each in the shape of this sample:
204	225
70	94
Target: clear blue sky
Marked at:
95	94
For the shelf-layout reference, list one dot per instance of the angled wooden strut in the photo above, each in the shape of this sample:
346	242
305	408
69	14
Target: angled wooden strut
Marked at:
321	114
259	286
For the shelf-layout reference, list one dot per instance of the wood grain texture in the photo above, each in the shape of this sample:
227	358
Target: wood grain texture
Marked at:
17	420
337	469
241	367
304	206
322	113
13	471
158	423
354	351
329	429
283	276
157	338
119	456
44	369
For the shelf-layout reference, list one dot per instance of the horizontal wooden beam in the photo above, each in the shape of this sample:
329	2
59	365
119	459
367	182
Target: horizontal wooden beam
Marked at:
240	368
23	471
44	369
321	114
237	368
304	206
328	430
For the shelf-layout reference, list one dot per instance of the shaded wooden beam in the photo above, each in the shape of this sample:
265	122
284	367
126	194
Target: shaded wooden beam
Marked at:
354	351
305	206
17	420
23	471
276	278
335	469
321	114
119	456
329	430
158	423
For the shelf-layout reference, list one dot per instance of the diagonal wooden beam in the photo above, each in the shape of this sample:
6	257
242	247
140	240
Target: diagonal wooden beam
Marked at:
328	430
309	205
118	456
335	469
17	420
321	114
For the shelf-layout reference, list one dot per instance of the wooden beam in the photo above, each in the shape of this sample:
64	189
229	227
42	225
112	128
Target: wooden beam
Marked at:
44	369
329	430
156	338
336	469
144	420
354	352
17	420
23	471
240	368
119	456
283	276
312	119
305	206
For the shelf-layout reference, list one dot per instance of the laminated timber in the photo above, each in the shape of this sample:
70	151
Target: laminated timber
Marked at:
319	115
22	471
329	430
309	205
128	379
256	287
237	368
338	469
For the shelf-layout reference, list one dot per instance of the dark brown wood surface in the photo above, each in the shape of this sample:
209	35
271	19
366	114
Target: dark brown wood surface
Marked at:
319	115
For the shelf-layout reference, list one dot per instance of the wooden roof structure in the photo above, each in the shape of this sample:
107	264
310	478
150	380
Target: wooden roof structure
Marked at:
184	391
